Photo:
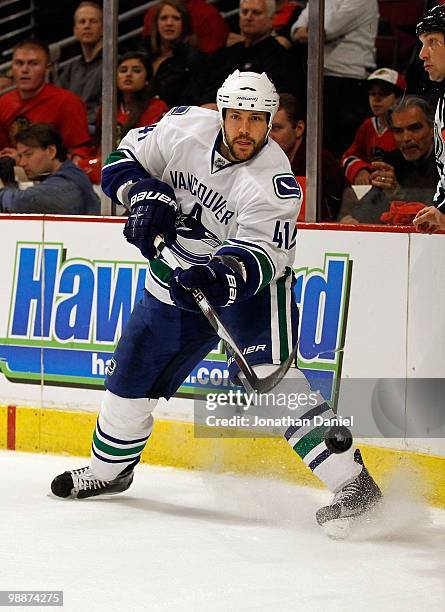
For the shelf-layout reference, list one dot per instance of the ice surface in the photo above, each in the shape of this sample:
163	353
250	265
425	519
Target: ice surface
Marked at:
196	541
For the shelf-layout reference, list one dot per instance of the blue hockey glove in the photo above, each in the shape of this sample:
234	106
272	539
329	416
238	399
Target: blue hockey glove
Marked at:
221	281
153	213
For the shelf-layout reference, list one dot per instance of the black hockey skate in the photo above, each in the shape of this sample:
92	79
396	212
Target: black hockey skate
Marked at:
353	500
81	483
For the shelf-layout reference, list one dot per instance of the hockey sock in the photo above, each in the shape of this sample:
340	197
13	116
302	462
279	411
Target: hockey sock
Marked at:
334	469
122	430
306	436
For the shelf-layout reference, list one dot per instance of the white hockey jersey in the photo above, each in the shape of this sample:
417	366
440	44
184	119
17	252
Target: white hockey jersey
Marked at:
246	209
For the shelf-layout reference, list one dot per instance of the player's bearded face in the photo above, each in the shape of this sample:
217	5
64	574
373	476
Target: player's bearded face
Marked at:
245	132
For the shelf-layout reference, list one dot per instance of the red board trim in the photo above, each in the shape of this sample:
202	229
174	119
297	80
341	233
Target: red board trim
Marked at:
10	428
333	227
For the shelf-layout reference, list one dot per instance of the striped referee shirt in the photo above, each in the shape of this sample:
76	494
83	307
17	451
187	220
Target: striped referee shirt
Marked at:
439	144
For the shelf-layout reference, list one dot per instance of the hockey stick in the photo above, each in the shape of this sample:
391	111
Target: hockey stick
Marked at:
252	383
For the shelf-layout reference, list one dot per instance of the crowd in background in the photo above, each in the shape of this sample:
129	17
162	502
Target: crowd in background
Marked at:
377	158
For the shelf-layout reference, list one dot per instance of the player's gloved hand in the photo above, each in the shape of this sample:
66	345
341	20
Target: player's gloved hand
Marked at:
153	213
221	281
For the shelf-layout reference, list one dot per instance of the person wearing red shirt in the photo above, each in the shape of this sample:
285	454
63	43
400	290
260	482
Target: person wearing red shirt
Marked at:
373	138
210	29
35	101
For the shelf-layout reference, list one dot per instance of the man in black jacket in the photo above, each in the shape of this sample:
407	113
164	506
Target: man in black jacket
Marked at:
407	174
257	51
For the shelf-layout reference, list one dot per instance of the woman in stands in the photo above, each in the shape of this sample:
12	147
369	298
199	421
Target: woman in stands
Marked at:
176	61
137	105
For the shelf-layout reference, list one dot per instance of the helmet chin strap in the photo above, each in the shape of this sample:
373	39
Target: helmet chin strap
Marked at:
221	121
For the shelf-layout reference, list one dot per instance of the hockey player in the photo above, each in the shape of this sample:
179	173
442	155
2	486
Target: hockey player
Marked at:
225	201
431	32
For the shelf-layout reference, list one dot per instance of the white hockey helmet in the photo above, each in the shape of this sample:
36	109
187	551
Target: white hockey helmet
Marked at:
248	91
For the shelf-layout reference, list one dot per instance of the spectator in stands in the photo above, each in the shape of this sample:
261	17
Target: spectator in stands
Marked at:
349	53
63	187
83	76
258	51
288	130
373	137
35	101
176	63
136	105
407	174
285	15
208	24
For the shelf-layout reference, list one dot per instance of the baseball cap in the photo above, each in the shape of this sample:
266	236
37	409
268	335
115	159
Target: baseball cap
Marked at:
388	75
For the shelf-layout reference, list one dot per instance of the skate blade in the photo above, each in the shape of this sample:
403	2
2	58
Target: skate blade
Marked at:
75	495
69	498
337	529
346	526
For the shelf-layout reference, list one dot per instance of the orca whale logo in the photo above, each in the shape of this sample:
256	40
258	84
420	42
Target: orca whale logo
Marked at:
190	227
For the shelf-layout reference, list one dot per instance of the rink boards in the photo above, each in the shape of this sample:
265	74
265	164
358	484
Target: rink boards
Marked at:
371	339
